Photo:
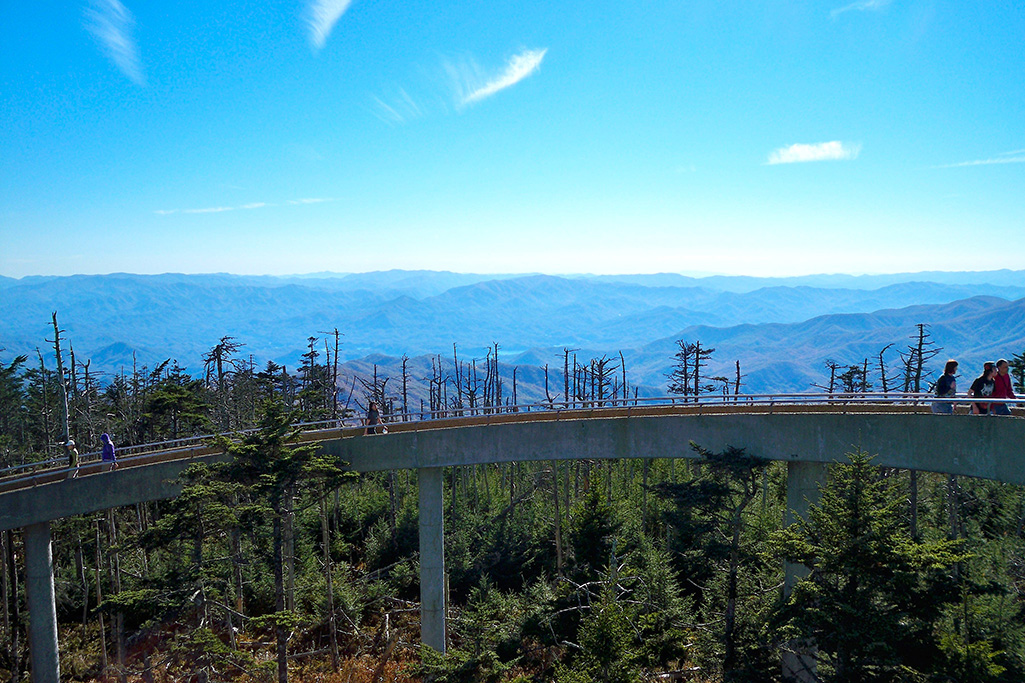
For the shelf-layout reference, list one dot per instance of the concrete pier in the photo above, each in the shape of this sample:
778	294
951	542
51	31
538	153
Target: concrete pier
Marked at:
804	482
432	557
42	631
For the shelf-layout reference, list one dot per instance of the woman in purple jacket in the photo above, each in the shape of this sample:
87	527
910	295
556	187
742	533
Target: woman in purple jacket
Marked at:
109	456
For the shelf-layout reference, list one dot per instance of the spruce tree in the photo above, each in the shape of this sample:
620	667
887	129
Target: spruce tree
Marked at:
873	596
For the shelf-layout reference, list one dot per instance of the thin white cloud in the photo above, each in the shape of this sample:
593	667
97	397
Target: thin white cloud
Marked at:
113	26
472	85
212	209
822	151
399	107
861	6
1015	157
243	207
321	17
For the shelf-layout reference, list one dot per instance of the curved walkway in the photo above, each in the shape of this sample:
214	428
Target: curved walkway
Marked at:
804	427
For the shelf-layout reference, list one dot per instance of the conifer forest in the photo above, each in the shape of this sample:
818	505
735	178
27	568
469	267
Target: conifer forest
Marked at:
277	564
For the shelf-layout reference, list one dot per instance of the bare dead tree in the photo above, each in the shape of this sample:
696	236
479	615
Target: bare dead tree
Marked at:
918	354
333	361
565	370
497	380
701	356
882	369
603	372
60	378
622	366
219	367
458	379
548	394
832	366
405	387
682	372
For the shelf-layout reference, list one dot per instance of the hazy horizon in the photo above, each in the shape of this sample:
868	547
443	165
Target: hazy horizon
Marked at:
688	274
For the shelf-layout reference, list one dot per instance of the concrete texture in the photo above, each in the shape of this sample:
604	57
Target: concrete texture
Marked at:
432	557
42	631
985	447
95	492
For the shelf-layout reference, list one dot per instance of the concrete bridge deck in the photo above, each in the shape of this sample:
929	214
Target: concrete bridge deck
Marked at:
807	437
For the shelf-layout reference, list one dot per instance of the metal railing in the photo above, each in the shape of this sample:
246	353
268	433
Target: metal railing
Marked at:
30	473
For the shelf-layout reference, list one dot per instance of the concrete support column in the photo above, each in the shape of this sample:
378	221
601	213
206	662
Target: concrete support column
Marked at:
42	609
804	480
432	557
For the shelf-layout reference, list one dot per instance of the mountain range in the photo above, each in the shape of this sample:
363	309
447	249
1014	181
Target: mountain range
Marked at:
782	330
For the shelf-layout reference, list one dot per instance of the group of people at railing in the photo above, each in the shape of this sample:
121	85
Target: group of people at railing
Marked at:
994	383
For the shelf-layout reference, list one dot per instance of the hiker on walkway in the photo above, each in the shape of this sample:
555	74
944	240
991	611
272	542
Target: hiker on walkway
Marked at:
373	418
1001	389
946	387
72	452
109	455
982	387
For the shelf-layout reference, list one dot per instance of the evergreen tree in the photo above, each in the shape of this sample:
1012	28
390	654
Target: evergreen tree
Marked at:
176	405
873	596
275	471
712	543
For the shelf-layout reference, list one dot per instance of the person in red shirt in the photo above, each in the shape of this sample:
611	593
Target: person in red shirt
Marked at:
1001	389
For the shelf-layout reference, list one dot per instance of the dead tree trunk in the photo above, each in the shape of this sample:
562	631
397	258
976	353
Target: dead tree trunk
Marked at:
325	540
15	616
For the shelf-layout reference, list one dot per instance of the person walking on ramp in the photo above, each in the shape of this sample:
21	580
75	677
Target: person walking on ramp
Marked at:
109	455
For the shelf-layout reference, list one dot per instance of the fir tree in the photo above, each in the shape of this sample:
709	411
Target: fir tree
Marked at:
873	596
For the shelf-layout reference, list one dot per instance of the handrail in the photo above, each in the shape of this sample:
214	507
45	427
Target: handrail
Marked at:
128	454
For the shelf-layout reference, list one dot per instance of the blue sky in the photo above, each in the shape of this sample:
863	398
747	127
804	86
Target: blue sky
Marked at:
773	138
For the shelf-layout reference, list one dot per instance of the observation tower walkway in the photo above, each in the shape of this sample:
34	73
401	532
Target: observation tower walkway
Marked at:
807	431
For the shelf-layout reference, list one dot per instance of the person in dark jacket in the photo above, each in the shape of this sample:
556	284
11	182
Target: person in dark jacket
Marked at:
982	387
946	387
109	455
1001	389
373	417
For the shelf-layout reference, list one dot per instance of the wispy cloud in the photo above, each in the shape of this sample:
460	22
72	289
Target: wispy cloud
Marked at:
1014	157
245	207
860	6
822	151
473	85
399	107
113	26
321	17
